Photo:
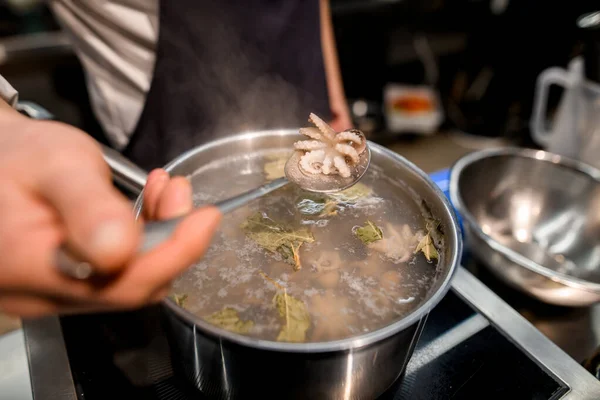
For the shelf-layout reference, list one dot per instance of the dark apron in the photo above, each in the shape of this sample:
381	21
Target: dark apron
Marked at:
226	66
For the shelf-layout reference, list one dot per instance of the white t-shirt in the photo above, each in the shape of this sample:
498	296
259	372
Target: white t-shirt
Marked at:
115	41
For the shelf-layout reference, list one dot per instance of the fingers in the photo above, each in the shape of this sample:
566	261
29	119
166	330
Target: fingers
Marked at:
99	222
176	199
31	285
34	306
166	198
59	190
155	269
157	181
26	306
30	233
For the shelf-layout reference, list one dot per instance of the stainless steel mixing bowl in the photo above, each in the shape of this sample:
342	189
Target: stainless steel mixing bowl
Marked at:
534	219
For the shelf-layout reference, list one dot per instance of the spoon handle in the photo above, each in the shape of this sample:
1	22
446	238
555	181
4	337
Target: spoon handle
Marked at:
156	232
232	203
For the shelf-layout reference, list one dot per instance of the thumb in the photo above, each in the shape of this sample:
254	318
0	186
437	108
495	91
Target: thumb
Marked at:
98	220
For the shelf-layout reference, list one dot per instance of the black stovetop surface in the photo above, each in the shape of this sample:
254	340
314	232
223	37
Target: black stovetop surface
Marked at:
460	355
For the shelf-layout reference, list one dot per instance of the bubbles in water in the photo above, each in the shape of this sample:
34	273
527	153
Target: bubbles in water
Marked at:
355	286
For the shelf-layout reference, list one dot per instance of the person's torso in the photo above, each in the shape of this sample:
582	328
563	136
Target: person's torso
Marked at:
228	66
221	66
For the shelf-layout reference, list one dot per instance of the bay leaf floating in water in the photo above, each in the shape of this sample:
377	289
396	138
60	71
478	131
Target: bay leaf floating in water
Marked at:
229	319
434	235
427	247
179	299
296	318
276	238
369	233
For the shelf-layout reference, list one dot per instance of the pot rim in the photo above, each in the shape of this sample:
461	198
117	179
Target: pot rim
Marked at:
512	255
349	343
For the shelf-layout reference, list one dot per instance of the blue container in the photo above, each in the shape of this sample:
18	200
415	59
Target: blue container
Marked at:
442	179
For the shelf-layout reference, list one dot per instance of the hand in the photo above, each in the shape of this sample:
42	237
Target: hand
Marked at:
341	119
57	188
335	87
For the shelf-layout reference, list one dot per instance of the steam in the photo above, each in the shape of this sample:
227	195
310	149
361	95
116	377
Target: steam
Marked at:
231	79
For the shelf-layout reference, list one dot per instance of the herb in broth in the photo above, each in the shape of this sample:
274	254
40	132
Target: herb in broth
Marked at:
427	244
369	233
276	238
344	287
229	319
179	299
296	318
427	248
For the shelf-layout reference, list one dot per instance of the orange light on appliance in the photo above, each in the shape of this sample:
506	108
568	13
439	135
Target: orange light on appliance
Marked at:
412	103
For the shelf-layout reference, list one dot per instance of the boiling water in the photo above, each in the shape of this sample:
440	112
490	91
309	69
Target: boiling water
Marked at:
347	287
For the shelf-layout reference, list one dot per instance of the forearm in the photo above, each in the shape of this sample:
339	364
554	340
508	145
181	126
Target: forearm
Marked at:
335	86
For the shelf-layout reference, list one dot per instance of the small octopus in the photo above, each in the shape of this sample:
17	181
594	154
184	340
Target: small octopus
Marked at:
330	152
399	243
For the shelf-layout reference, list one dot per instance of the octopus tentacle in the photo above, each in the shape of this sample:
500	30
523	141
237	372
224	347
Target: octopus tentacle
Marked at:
327	130
347	150
328	167
309	145
355	137
313	133
341	166
312	162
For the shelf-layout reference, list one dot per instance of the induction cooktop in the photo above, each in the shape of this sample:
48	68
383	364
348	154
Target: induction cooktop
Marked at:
472	345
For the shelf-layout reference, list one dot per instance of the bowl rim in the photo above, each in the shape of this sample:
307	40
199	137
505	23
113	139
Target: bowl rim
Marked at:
346	344
455	174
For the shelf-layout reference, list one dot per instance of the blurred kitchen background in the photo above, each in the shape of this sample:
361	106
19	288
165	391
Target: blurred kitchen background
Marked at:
431	79
478	59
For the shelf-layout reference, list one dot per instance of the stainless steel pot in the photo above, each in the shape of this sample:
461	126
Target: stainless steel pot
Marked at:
226	365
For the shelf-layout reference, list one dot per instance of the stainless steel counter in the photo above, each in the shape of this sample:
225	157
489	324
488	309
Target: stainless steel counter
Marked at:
14	370
574	330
